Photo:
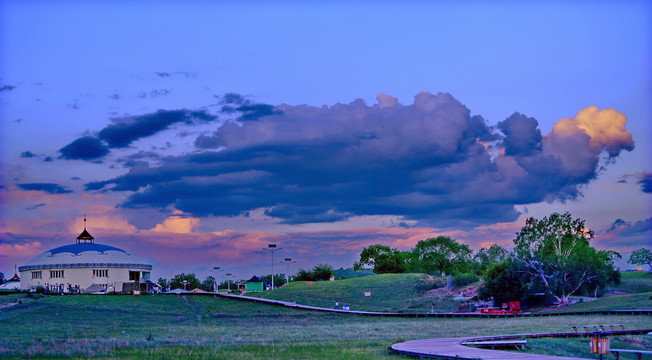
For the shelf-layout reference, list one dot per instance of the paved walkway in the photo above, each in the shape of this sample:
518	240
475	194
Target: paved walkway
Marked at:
451	348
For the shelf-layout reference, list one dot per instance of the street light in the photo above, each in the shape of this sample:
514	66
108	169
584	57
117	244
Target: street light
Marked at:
288	261
228	283
184	284
271	248
217	270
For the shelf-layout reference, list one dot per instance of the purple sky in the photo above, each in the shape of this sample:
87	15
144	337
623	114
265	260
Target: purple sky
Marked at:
197	134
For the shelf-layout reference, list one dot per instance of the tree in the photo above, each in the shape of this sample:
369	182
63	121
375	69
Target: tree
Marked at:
641	257
164	284
441	254
303	275
323	272
382	259
208	284
504	281
485	257
279	279
557	252
192	282
2	278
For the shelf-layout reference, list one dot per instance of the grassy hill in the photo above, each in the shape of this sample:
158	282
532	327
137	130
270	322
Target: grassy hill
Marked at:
389	292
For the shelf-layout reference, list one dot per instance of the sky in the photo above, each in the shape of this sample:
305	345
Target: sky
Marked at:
194	135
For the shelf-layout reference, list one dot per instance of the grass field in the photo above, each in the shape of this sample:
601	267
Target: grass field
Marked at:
204	327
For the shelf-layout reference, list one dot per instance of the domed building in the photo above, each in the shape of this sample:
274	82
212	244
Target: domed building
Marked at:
85	267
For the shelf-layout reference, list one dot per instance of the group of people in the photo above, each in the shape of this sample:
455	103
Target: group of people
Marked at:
344	306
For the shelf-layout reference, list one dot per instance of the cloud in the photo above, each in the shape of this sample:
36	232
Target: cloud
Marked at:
644	179
626	235
124	131
49	188
27	154
7	88
429	161
84	148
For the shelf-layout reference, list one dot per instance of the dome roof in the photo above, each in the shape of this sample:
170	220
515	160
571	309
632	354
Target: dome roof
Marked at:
84	255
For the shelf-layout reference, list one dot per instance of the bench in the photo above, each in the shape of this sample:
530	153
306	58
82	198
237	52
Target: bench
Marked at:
638	353
501	344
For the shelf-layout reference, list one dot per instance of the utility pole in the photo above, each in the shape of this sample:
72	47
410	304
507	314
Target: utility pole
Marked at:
271	248
228	283
288	261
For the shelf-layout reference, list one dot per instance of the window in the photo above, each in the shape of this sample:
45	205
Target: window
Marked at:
134	276
100	273
146	275
56	274
36	275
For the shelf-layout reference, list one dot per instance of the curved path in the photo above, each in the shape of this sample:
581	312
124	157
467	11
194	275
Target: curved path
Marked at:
454	348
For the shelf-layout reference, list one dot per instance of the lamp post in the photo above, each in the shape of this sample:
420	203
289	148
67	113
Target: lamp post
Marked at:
217	270
228	283
271	248
184	284
288	261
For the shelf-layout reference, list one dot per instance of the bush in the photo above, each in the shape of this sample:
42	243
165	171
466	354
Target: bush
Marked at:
40	289
464	279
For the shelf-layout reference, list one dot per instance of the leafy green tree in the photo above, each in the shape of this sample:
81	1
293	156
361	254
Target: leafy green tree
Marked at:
164	284
441	254
323	272
641	256
192	282
556	251
279	279
208	284
485	257
382	259
504	281
303	275
2	278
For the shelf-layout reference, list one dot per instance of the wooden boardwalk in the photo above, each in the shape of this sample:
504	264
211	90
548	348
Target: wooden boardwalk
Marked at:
436	315
452	348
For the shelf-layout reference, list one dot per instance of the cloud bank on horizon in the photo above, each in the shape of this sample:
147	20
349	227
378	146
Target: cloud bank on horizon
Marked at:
432	161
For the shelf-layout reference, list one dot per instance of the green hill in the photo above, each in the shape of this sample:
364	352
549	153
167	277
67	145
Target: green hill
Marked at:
389	292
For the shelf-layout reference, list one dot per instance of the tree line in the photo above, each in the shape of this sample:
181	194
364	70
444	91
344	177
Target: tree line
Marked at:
551	256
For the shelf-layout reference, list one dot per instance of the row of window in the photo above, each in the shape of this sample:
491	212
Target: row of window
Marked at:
58	274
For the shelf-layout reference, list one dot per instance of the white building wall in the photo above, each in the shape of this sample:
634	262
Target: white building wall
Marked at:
82	277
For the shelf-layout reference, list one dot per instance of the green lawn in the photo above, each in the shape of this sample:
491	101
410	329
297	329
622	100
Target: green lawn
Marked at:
202	327
634	282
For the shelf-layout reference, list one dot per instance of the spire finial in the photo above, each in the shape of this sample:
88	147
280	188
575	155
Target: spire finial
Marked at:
84	221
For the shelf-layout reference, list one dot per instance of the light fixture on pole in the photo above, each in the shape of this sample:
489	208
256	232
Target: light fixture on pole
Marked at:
217	270
228	283
184	284
271	248
288	261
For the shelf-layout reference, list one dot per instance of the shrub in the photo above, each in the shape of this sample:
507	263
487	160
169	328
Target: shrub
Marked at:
464	279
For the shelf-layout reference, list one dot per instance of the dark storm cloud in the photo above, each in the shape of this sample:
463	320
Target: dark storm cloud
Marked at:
47	187
522	136
256	111
124	131
646	182
84	148
429	161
